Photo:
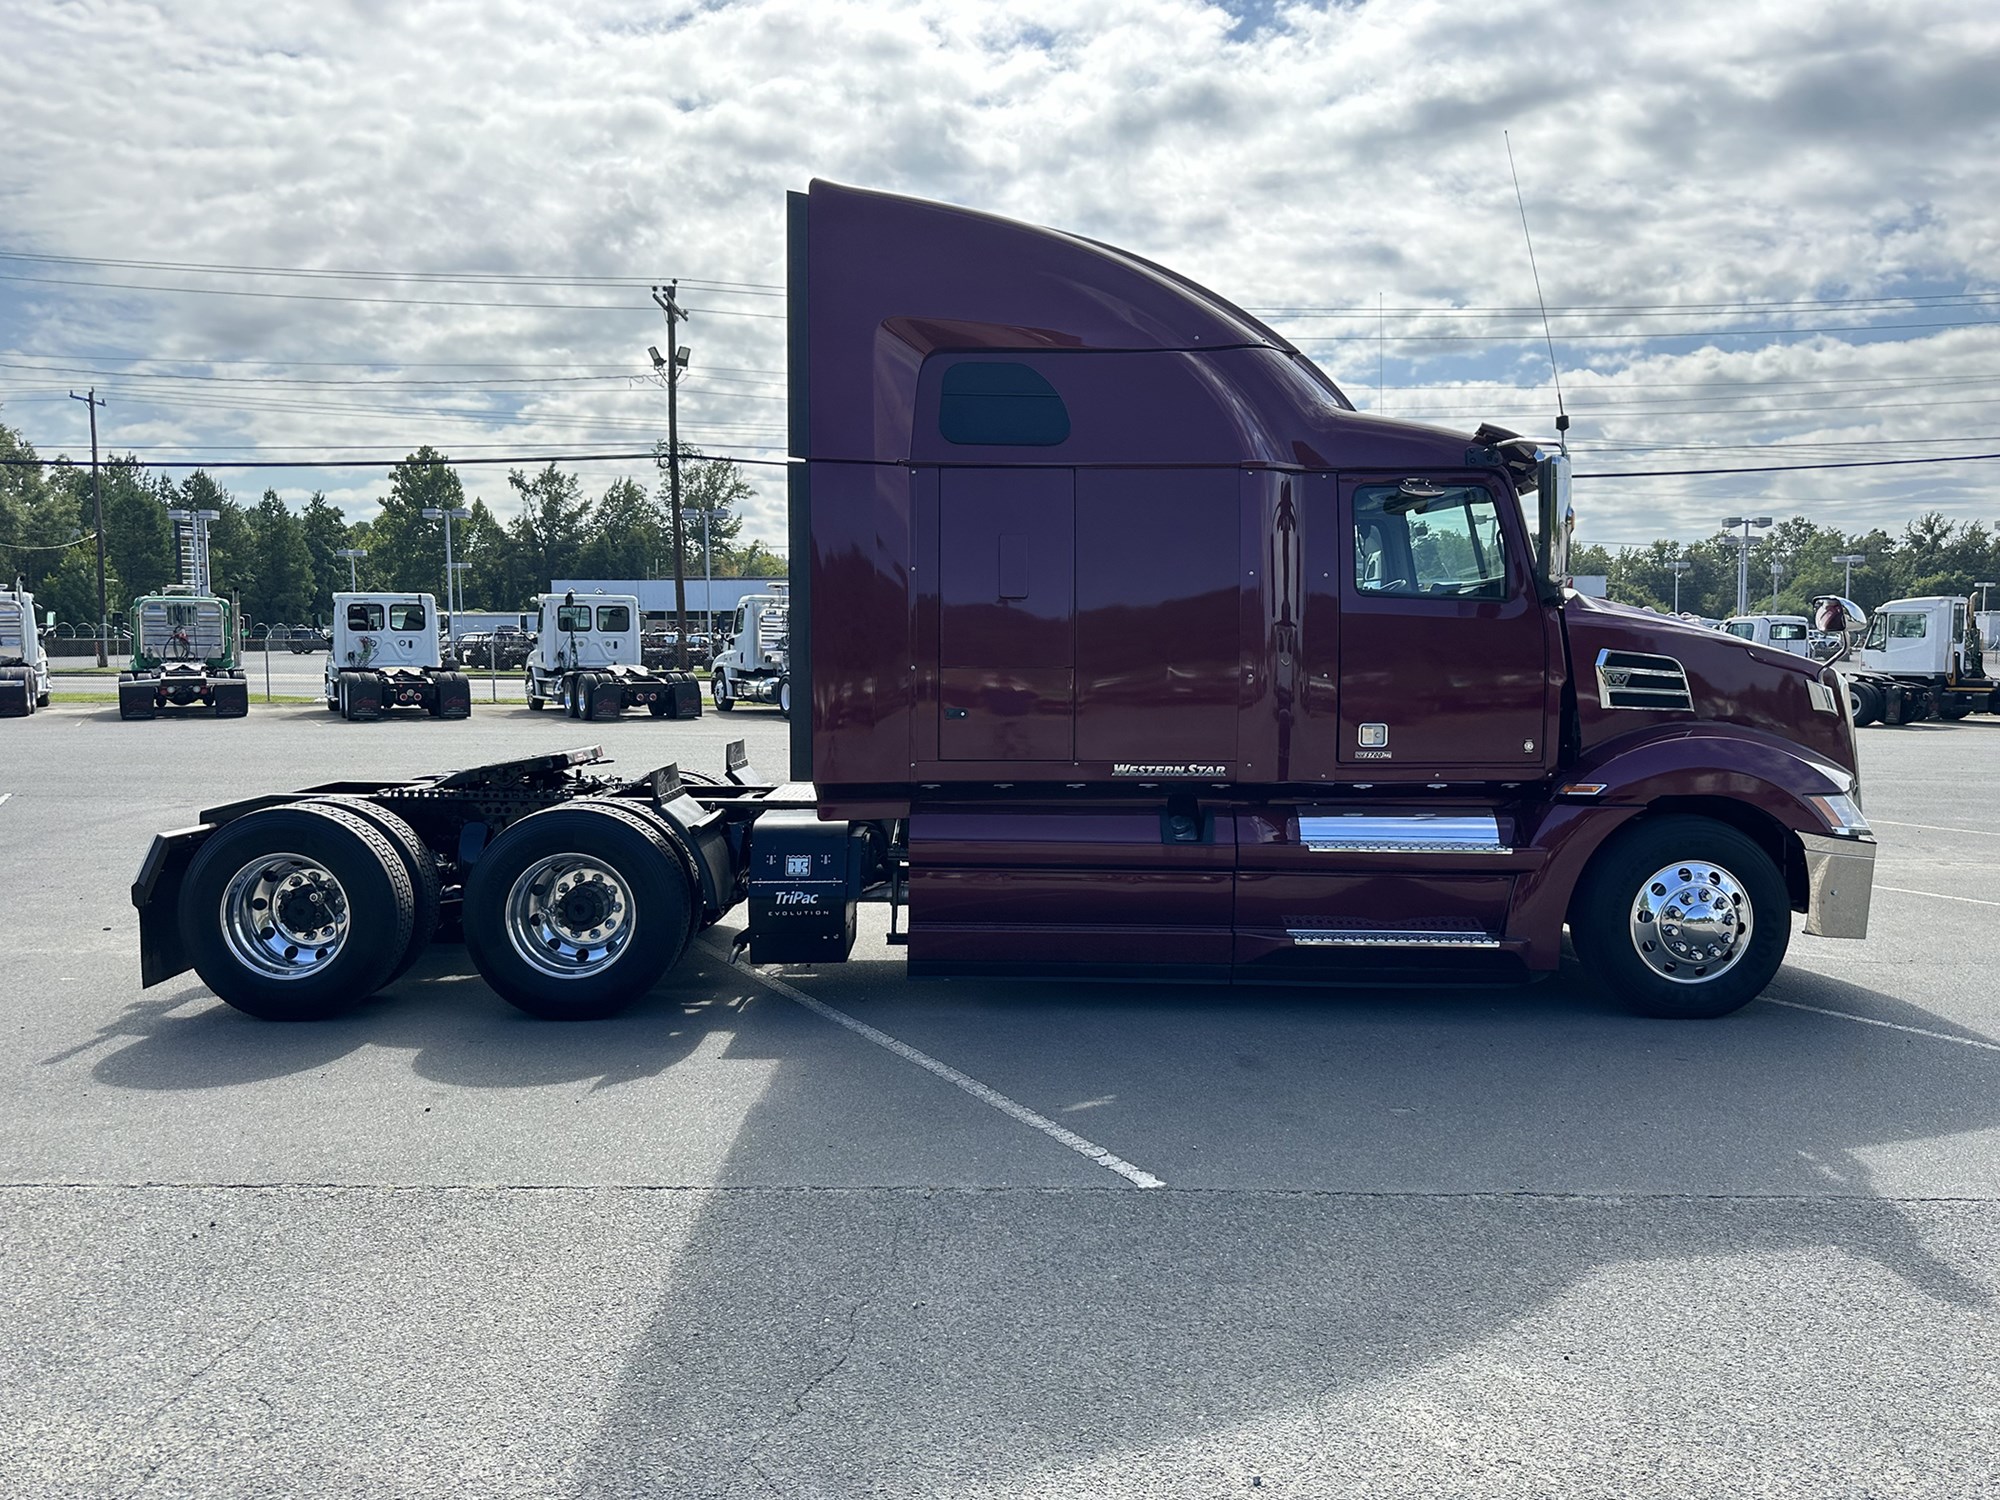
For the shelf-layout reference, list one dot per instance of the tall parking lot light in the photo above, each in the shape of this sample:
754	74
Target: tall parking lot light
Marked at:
1851	561
351	553
1680	565
1983	587
1730	523
448	514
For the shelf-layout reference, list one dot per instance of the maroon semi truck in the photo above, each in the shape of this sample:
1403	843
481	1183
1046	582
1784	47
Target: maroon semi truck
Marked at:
1122	645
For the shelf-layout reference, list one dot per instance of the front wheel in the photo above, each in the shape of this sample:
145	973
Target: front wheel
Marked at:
785	698
718	689
1682	917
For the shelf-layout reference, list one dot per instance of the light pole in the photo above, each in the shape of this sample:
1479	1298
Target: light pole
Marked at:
1983	587
1850	561
351	553
1777	572
1730	523
666	299
449	513
1680	565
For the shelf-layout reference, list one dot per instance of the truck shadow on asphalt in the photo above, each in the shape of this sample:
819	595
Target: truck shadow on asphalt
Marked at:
1525	1181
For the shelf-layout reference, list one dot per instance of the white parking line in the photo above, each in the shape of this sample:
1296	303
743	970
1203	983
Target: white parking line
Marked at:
1939	895
949	1074
1985	833
1848	1015
4	796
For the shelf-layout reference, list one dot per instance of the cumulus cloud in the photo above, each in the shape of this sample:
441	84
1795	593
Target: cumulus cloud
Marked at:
1735	175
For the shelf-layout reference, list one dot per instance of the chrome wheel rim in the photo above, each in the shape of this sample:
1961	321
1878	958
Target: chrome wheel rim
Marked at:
285	916
1691	922
570	916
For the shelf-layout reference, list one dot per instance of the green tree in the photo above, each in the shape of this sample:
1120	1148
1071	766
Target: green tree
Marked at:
326	533
553	526
281	589
629	535
711	488
406	547
71	588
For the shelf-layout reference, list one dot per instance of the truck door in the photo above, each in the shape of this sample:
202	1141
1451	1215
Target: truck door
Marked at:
1006	614
1444	646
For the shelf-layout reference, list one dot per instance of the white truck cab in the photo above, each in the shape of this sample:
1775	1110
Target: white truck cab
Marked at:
1791	633
1931	647
385	655
589	658
24	669
755	667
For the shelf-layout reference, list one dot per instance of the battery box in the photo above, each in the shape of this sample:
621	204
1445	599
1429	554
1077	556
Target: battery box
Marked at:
805	881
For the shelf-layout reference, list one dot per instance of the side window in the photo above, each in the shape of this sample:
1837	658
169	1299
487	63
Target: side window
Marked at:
1908	627
406	617
1001	405
572	618
1429	542
614	617
1782	630
1743	630
364	617
1878	634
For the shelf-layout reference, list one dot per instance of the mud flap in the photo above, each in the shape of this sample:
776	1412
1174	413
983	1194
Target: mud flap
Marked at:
682	697
17	693
231	697
364	696
135	699
607	697
454	695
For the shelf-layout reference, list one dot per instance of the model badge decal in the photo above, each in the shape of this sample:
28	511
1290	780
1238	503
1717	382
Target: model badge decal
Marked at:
1194	768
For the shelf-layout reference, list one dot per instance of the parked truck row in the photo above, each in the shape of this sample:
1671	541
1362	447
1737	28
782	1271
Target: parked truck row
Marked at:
1119	643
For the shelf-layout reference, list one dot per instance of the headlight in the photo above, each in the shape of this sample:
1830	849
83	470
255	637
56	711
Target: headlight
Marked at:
1842	814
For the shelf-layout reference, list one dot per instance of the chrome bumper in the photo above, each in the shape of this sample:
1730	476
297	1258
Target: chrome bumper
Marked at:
1840	878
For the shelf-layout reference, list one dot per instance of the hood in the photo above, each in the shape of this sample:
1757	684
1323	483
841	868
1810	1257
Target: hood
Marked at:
1629	664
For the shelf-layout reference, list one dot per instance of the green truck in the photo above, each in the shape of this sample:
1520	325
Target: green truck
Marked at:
183	656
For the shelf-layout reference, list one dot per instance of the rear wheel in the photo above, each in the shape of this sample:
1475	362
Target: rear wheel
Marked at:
296	913
1682	917
426	888
576	911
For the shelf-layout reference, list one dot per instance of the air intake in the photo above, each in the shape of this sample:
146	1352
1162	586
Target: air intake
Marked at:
1632	679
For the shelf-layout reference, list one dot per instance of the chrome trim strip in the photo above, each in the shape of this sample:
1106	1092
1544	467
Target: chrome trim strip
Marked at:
1401	833
1387	937
1840	881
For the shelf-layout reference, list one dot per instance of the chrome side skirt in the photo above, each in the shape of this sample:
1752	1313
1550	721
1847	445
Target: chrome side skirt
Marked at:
1401	833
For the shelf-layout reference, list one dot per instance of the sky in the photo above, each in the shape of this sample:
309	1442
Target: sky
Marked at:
1767	234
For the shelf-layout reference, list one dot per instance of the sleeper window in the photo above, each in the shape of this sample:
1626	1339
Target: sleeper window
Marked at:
613	617
364	617
573	619
406	617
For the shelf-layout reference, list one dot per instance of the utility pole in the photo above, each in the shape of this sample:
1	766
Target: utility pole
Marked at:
97	504
676	361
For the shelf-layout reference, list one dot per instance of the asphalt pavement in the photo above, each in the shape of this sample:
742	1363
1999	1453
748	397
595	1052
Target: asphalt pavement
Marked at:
835	1232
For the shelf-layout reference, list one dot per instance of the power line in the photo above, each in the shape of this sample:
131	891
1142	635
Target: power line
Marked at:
495	278
220	291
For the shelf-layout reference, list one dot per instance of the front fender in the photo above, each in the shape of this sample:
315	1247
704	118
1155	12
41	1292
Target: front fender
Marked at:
1727	761
1766	780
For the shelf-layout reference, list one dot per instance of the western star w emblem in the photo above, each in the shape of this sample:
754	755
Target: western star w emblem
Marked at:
1617	676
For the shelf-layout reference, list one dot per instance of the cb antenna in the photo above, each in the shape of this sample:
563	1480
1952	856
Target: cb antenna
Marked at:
1562	416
